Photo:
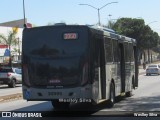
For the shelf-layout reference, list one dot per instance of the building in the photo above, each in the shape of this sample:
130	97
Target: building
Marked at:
15	50
15	23
4	51
3	56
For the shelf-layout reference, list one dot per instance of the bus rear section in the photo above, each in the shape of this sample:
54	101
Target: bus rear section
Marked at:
55	63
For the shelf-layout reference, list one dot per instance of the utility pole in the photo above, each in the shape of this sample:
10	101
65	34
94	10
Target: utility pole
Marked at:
98	10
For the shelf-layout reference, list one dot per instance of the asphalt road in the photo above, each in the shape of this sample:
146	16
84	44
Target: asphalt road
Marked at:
145	98
5	90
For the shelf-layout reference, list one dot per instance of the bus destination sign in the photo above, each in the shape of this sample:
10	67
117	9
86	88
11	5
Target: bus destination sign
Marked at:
70	36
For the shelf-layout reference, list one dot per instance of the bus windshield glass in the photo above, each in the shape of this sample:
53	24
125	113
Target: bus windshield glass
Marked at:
53	55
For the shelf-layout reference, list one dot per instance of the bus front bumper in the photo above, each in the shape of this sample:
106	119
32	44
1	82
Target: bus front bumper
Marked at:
35	94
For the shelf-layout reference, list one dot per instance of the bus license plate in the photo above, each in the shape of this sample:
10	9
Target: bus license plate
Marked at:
54	93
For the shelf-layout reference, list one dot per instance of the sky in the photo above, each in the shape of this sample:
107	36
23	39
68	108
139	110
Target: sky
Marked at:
42	12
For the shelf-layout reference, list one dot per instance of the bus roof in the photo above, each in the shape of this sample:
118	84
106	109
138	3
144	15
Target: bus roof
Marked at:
111	33
102	28
99	29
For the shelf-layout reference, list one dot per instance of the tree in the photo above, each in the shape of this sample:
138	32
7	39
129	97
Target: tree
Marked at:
10	40
110	24
131	28
136	28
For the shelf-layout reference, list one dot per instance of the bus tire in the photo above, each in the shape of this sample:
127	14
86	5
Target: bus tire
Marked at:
129	94
60	105
112	96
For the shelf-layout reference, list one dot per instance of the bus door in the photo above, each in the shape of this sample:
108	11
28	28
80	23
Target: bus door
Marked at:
122	66
99	85
102	70
136	67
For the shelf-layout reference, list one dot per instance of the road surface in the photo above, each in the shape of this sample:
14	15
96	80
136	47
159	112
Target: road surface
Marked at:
5	90
146	98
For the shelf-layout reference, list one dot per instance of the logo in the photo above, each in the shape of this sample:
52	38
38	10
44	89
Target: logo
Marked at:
21	114
6	114
54	81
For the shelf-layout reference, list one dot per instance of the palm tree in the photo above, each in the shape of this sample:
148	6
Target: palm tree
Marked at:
10	40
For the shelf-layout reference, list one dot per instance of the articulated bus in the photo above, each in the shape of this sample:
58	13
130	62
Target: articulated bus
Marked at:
68	63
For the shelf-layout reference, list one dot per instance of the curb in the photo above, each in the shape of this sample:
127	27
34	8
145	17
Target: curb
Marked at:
141	73
11	97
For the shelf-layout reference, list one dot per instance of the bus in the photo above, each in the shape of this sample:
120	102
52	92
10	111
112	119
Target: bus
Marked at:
77	63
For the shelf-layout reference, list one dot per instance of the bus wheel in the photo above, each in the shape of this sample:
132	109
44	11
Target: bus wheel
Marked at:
112	96
129	94
60	105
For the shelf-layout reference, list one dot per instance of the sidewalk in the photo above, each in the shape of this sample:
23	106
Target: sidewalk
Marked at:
141	70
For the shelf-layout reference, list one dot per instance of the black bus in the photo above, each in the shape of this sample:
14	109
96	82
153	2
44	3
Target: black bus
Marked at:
77	63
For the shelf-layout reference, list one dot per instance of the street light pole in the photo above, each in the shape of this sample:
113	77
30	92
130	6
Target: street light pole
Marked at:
98	9
24	15
99	22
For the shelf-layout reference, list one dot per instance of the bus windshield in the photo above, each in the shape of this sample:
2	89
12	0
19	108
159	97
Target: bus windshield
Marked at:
53	55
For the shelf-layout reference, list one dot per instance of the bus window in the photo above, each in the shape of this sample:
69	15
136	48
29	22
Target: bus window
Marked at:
115	50
108	49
